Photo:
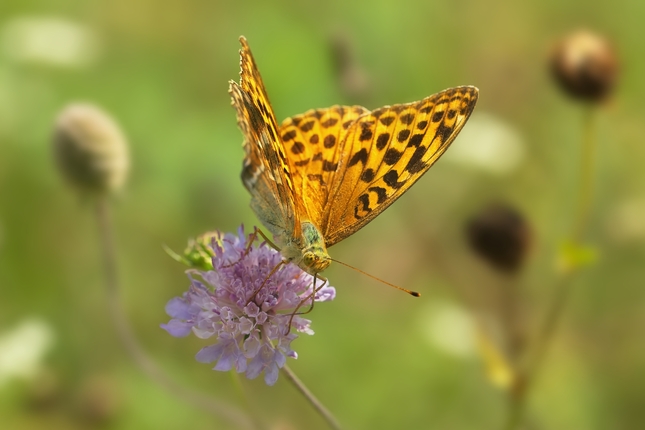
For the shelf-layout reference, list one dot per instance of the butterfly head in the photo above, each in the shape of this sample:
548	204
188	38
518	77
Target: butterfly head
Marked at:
309	252
314	261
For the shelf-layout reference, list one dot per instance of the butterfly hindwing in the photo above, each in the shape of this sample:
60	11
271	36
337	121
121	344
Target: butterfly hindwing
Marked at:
386	151
313	142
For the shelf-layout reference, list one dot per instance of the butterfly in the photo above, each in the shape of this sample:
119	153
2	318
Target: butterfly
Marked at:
319	177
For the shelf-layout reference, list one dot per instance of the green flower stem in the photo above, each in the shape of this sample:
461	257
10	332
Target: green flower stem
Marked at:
216	407
318	406
564	284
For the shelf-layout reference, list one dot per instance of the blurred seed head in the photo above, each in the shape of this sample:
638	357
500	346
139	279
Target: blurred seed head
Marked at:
585	65
99	400
501	236
45	390
90	149
352	79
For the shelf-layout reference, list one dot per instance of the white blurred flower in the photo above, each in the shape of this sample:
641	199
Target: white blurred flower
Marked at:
450	328
22	349
49	40
488	143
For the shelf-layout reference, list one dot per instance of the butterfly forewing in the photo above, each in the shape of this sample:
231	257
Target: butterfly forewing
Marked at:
266	172
312	143
388	150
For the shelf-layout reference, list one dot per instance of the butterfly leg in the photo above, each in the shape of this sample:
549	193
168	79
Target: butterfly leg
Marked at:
310	296
252	237
275	269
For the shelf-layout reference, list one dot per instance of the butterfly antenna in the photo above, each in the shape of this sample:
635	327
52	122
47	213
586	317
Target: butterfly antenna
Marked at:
410	292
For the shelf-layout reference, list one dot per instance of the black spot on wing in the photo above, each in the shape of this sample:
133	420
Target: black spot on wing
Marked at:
416	140
362	206
316	177
416	164
307	126
382	140
289	135
366	133
392	156
367	175
407	118
360	156
403	135
391	178
387	120
330	122
330	141
444	132
297	148
437	116
328	166
381	194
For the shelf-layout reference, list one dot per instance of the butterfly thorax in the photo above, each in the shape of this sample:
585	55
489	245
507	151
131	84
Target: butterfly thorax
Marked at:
309	251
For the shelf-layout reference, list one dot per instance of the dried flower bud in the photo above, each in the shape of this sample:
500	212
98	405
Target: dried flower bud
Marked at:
585	65
501	236
90	149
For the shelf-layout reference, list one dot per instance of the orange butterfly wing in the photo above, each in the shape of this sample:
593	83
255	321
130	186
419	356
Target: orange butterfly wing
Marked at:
312	141
342	166
371	158
266	172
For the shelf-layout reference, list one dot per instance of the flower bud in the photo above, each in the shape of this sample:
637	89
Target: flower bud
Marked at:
585	65
501	236
199	252
90	149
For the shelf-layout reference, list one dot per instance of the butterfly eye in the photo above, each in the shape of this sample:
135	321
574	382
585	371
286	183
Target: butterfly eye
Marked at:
309	258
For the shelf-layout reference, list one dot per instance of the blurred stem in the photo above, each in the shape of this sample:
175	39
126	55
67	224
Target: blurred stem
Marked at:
214	406
237	383
585	191
318	406
564	284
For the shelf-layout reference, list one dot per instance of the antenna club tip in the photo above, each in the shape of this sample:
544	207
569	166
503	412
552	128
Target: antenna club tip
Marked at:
415	294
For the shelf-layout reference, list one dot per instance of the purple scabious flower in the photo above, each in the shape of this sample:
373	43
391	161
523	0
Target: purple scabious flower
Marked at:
251	333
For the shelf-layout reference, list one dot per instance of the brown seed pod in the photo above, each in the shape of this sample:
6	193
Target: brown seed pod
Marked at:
585	65
501	236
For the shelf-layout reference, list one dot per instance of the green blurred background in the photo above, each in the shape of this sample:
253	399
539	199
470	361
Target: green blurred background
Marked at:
380	359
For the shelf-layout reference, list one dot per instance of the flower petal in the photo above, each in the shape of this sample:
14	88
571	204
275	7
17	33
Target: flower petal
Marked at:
178	328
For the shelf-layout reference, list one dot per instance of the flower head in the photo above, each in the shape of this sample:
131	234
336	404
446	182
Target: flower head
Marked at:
248	309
